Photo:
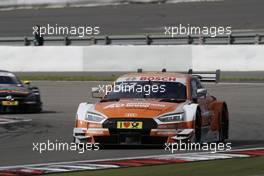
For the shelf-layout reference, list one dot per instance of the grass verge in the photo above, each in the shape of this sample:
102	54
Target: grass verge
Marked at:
231	167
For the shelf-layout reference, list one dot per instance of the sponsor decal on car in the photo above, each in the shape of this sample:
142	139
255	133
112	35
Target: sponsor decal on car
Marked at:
10	103
134	105
157	78
151	78
129	125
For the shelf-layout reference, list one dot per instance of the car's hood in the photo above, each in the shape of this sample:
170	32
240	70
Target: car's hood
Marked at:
11	89
136	108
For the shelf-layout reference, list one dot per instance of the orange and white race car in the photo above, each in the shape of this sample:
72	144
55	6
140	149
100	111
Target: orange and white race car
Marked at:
153	108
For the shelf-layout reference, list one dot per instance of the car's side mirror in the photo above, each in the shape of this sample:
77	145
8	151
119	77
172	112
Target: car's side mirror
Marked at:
201	92
27	83
96	93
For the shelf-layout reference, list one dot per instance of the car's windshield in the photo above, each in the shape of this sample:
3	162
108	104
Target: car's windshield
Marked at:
148	89
9	80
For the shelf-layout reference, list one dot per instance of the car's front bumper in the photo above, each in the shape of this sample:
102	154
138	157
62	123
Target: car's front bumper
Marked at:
30	106
88	132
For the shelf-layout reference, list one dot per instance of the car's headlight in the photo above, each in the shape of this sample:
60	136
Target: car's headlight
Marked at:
91	116
172	117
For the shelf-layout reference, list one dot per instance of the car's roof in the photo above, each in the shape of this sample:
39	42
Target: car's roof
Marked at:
5	71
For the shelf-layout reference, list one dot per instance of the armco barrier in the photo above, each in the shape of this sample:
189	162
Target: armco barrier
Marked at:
236	38
41	3
129	58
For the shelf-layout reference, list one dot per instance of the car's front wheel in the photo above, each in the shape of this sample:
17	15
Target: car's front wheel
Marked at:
198	127
223	126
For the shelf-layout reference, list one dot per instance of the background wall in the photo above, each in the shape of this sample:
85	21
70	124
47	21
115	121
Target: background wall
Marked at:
129	58
25	59
228	58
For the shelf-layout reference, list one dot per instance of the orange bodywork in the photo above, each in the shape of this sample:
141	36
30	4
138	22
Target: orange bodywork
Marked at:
151	109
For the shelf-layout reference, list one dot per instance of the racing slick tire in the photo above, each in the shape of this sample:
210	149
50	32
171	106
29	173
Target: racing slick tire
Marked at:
223	125
198	127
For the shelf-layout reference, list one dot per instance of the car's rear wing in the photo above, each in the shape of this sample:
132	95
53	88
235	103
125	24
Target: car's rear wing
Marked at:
206	76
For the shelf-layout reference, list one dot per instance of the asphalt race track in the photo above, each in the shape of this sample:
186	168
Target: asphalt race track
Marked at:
138	18
56	122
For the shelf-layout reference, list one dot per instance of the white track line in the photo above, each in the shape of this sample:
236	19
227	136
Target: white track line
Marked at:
11	119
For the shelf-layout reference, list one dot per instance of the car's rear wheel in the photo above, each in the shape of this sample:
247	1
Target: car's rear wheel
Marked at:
198	127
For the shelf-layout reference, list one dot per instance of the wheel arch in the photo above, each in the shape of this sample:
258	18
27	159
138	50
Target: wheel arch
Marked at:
220	107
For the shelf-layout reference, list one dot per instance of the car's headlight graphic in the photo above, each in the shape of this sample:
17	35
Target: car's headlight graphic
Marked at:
172	117
91	116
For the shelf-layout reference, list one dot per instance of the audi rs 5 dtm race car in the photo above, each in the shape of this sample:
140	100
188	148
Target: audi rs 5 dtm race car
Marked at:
178	107
16	96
